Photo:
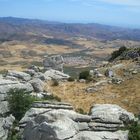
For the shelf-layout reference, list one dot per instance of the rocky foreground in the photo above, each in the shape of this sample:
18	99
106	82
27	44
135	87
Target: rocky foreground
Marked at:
58	121
31	81
47	120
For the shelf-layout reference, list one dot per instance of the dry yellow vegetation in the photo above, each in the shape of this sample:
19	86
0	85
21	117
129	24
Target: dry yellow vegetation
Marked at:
127	94
17	49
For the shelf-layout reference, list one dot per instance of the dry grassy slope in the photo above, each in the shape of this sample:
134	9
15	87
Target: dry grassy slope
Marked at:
19	60
97	49
127	94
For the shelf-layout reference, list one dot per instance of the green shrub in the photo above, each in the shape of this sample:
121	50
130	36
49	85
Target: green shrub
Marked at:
117	53
84	75
19	102
134	131
71	79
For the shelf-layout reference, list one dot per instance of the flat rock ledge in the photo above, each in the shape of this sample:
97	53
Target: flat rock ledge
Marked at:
58	121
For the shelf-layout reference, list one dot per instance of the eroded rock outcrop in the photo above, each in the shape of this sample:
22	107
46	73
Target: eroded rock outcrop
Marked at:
20	75
53	62
58	121
6	124
109	117
54	74
88	135
37	84
6	120
6	85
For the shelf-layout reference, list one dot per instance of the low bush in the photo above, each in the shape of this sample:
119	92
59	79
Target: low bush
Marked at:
71	79
84	75
19	102
134	130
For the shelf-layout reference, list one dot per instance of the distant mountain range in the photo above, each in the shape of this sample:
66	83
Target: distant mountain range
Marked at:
37	30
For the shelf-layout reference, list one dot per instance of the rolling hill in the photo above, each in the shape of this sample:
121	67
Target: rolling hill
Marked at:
36	30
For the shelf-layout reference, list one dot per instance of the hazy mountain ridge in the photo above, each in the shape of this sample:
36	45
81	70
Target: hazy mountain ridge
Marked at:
19	29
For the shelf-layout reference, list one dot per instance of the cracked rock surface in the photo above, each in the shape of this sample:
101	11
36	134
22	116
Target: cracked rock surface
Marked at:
58	121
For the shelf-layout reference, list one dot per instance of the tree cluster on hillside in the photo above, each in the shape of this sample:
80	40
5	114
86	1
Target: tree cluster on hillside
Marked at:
117	53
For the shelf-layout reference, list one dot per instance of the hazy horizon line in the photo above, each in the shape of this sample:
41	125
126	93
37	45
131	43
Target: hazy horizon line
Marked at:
76	22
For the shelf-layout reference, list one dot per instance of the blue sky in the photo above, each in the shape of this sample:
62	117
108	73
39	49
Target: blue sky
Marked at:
113	12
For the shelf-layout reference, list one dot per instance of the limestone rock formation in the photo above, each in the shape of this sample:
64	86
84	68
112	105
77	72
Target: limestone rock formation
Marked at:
6	85
109	117
31	72
53	62
58	121
20	75
40	76
54	74
41	107
87	135
56	127
5	125
42	95
37	84
6	121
